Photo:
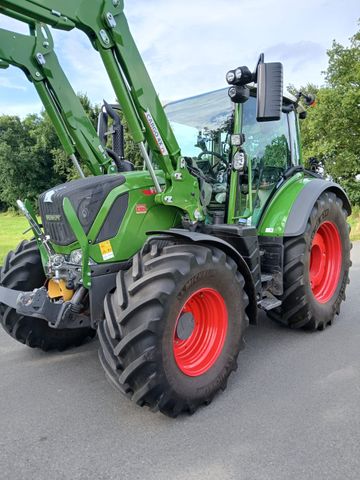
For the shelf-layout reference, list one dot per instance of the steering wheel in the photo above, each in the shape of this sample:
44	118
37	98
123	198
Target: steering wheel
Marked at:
219	166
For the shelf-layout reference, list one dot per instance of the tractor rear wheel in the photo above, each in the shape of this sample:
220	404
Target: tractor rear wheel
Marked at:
174	326
22	270
316	268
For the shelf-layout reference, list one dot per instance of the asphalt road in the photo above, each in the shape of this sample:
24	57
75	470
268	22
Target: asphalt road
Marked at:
291	411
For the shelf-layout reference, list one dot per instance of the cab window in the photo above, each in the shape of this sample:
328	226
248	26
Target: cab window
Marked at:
268	148
295	147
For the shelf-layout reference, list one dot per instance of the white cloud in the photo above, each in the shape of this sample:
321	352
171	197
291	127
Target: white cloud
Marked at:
7	83
21	109
82	64
14	25
188	46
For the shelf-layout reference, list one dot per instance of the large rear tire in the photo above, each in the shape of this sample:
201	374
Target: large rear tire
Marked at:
316	268
174	326
22	270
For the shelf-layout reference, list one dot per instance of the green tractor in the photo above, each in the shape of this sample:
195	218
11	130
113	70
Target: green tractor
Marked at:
169	263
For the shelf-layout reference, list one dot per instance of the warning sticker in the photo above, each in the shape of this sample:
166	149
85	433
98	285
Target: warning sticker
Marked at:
141	208
106	250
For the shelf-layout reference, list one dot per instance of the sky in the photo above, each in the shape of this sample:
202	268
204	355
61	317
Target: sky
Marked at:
189	45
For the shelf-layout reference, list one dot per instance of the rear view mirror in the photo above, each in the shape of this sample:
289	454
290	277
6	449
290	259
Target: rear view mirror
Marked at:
269	91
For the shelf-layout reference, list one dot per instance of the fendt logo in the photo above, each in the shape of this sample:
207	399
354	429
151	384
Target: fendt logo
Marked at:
53	218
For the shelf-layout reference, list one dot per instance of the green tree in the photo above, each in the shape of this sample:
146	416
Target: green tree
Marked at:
331	131
32	159
26	161
62	164
277	153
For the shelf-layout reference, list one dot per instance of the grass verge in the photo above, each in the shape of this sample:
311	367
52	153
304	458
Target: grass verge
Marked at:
11	232
355	224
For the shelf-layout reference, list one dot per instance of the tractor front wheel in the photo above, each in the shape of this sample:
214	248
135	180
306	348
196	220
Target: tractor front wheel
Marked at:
174	326
316	268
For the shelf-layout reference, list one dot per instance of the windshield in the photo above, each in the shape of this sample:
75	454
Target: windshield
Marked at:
199	121
203	126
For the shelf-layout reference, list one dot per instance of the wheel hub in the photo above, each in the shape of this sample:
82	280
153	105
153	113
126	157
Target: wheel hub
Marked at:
325	262
200	332
185	326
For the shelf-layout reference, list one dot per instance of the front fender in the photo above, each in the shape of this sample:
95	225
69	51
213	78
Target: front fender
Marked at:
213	241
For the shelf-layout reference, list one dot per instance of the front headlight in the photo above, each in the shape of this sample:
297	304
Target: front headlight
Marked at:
76	257
239	161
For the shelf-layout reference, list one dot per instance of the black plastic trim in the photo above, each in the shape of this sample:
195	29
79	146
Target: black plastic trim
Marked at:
301	209
272	262
245	240
114	218
103	279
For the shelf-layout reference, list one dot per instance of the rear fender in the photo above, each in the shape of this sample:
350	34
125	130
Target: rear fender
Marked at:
301	209
289	209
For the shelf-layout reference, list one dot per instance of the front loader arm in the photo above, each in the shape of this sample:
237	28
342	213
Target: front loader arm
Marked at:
35	56
106	26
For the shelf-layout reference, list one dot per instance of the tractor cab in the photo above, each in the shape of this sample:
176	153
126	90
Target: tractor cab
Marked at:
239	160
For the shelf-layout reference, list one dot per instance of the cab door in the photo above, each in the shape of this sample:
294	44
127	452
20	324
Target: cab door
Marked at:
271	148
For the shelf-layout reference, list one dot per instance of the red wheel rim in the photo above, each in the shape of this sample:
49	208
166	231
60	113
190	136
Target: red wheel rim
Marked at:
198	353
325	262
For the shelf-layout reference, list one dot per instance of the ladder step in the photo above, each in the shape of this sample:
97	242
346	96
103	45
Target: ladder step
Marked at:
269	302
265	278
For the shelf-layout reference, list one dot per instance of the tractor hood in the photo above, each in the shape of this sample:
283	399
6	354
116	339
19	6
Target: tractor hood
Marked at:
86	196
